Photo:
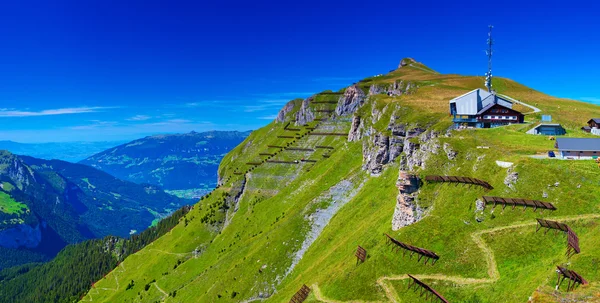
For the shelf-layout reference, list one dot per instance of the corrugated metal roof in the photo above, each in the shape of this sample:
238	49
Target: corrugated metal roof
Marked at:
578	144
474	101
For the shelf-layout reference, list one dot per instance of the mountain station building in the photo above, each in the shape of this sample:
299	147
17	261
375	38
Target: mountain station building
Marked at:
481	109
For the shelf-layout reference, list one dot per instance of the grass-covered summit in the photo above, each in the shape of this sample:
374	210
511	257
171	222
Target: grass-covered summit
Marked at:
342	169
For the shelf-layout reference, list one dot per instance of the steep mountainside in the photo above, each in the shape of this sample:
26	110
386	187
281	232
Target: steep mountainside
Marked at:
343	169
184	164
46	204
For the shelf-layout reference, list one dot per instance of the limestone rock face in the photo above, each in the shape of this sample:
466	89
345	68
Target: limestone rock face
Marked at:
352	99
398	88
450	153
305	114
416	154
377	155
284	111
407	211
355	133
511	178
406	61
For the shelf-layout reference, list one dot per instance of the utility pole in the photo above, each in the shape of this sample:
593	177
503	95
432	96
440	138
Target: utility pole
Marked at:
489	51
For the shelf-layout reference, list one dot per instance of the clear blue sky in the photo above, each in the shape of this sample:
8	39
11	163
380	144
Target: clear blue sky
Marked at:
113	70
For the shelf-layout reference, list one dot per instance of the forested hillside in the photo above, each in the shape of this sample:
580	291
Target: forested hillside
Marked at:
75	268
353	168
47	204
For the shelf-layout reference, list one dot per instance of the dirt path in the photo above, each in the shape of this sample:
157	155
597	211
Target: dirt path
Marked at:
493	272
160	289
535	109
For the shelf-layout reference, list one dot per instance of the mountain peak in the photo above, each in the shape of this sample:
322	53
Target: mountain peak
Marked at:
406	61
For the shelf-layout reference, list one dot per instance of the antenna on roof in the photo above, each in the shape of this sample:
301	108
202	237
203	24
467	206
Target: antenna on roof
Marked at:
489	51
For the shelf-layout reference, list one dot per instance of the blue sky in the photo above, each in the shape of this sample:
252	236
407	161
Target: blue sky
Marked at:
114	70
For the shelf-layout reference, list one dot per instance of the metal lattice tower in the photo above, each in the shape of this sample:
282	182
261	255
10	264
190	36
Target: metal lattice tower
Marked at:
489	52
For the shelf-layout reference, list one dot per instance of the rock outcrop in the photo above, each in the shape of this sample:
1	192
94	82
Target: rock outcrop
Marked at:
405	62
352	99
376	155
407	211
416	154
450	153
355	133
284	111
398	88
305	114
511	178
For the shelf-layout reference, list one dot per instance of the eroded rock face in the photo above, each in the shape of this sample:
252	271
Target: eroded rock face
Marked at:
511	178
352	99
305	114
355	133
284	111
398	88
407	211
450	153
377	155
416	154
406	61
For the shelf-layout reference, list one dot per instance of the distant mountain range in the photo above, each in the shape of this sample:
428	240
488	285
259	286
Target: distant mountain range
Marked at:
46	204
184	164
66	151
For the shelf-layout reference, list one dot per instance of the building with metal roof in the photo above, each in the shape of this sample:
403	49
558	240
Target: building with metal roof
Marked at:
578	148
482	109
548	129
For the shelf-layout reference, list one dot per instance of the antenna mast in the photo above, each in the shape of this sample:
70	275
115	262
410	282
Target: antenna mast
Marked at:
489	51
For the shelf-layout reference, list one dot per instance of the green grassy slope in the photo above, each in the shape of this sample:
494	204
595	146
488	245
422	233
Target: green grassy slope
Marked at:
300	223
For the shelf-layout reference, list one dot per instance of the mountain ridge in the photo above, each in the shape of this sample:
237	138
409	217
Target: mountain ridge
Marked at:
184	164
278	220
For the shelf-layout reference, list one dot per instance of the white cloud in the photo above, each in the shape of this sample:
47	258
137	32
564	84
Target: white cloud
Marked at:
272	117
139	118
50	112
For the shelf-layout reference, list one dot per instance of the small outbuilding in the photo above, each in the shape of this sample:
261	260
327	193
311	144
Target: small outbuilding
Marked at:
548	129
593	126
578	148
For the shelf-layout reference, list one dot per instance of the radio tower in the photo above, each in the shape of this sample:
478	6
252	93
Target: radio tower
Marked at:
489	51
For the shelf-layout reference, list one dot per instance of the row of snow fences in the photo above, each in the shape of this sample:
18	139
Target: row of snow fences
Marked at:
274	146
430	293
266	154
299	149
413	249
324	147
308	161
572	276
301	295
518	202
329	134
457	179
361	254
253	163
572	239
283	162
